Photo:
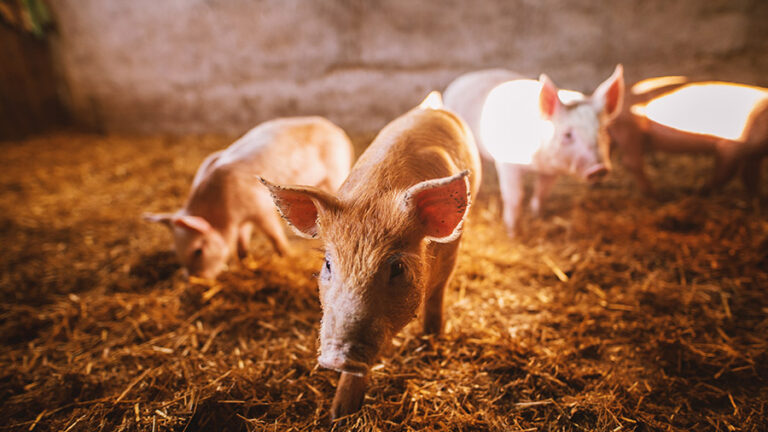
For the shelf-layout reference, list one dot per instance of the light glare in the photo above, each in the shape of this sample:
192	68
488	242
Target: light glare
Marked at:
511	127
713	108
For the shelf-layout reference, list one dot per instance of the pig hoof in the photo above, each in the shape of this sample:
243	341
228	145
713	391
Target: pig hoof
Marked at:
349	395
341	408
433	327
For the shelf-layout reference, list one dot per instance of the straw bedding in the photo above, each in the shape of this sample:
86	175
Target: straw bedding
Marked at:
610	312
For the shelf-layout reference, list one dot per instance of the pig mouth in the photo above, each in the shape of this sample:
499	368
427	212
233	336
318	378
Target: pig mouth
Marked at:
595	173
343	364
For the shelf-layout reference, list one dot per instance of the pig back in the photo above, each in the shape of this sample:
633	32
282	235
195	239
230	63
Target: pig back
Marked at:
420	145
295	150
708	111
467	93
298	150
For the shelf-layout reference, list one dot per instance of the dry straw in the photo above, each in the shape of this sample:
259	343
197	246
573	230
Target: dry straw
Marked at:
611	312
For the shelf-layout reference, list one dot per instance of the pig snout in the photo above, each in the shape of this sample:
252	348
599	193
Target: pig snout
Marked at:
346	357
595	172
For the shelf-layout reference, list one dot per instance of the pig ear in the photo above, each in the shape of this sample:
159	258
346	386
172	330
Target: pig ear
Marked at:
163	218
609	95
194	223
300	206
434	100
549	102
440	205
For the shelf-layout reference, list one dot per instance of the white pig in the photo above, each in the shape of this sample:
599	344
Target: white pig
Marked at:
226	200
531	125
391	237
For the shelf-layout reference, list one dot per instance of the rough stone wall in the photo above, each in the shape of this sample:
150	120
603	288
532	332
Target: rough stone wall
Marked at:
225	65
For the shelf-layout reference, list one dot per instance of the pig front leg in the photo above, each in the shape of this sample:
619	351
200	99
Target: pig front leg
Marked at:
541	190
444	265
726	162
349	395
750	175
244	240
273	228
433	310
511	185
446	254
633	158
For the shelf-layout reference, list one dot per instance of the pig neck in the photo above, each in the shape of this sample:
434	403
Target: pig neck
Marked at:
215	200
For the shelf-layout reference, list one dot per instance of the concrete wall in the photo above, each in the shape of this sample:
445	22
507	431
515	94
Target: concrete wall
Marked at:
225	65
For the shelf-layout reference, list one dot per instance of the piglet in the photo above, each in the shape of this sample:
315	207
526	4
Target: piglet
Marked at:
391	237
673	114
525	124
227	200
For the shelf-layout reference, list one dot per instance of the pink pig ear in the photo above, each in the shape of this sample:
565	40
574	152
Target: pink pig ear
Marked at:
440	205
194	223
549	102
609	95
300	206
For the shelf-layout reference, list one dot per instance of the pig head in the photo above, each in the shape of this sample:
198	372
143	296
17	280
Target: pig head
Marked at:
200	248
378	259
579	143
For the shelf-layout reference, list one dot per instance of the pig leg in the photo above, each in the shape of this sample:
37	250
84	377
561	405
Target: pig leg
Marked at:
433	306
433	310
273	228
511	185
244	239
726	163
349	395
633	158
541	189
750	175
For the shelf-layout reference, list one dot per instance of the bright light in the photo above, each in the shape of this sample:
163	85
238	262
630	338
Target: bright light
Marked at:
652	84
511	126
712	108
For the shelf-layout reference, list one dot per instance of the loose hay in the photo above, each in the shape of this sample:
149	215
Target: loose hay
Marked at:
611	312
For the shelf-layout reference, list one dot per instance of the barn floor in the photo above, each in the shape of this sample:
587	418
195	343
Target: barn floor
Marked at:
611	312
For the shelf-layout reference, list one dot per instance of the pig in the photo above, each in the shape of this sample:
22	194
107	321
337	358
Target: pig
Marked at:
466	95
694	123
525	125
391	237
227	201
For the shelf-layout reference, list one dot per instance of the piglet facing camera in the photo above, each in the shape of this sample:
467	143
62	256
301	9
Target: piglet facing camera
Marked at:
391	235
524	124
227	201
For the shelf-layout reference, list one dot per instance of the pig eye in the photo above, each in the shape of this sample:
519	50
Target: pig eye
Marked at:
568	136
327	265
396	269
197	253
